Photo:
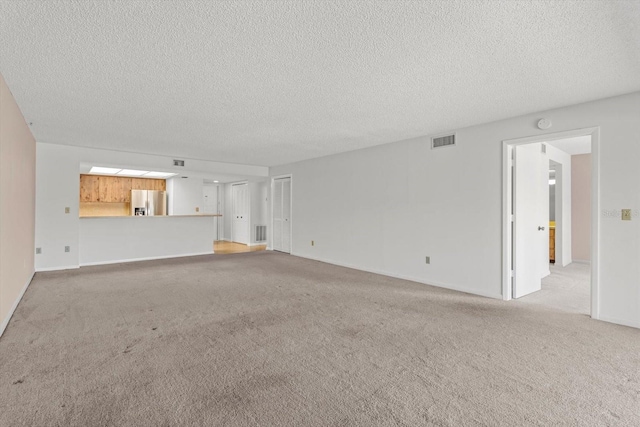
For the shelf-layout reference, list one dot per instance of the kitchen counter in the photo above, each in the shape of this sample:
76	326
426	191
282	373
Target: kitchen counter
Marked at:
151	216
113	239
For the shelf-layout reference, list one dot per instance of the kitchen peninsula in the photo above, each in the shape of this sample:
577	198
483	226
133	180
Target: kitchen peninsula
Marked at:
109	233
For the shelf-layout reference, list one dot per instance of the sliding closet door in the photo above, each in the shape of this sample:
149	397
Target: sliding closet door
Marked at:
282	215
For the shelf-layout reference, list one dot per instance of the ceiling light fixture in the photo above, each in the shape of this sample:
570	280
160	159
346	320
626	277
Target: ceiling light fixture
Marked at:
159	174
132	172
215	182
98	169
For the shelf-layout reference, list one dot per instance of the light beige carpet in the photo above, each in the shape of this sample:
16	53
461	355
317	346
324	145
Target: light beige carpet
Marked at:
270	339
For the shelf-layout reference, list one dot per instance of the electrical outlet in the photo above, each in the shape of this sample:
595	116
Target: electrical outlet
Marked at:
67	210
427	260
197	209
67	248
313	243
626	214
38	251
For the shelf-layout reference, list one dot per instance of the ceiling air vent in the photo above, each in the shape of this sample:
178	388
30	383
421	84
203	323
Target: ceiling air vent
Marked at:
443	141
178	162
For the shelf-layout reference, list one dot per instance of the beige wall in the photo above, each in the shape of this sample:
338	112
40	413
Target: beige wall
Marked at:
17	203
581	207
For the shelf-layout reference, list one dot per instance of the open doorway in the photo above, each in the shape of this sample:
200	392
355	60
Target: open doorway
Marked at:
550	257
244	204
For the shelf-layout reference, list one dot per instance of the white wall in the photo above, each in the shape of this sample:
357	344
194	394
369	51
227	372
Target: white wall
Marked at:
117	239
17	204
213	205
227	212
563	209
184	195
258	194
57	187
385	208
581	203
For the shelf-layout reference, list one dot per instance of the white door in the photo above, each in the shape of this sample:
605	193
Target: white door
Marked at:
282	215
531	218
240	216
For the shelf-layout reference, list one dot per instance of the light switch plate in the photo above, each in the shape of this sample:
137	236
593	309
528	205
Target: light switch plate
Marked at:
67	210
626	214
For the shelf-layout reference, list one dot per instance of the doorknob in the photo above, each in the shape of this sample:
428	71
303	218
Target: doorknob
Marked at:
540	228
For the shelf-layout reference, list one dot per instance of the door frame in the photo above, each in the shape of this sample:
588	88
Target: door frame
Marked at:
270	233
507	200
248	213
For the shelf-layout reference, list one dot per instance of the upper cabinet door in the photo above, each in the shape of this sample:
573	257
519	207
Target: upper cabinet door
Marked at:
105	184
86	187
158	184
124	190
138	184
89	188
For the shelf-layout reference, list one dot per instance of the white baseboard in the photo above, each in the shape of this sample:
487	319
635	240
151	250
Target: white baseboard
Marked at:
619	321
257	244
406	277
63	267
88	264
582	261
5	321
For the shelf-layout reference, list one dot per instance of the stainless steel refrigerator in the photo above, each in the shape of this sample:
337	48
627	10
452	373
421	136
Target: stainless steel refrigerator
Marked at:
148	202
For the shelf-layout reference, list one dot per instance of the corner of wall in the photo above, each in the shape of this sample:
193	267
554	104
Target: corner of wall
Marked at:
57	188
17	204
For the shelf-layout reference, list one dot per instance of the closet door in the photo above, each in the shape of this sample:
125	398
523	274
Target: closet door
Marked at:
240	220
282	215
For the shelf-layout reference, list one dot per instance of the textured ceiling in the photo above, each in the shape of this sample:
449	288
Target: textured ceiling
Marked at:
269	82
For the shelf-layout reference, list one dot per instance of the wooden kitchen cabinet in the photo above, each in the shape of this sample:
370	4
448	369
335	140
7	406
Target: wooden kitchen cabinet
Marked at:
115	189
148	184
89	188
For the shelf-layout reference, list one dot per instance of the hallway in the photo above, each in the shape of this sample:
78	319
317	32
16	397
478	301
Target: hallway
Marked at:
566	289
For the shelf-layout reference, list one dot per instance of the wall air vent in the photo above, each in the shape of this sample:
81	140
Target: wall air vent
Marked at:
443	141
178	162
261	233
